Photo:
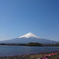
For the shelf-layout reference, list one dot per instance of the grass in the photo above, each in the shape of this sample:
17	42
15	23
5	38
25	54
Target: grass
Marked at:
54	57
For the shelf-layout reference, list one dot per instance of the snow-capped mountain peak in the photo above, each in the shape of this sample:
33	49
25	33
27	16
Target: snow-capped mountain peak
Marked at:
29	35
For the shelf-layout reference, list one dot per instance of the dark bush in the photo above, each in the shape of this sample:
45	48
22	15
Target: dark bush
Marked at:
34	44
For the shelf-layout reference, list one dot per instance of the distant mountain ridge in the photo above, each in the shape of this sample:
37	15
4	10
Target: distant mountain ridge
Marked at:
29	37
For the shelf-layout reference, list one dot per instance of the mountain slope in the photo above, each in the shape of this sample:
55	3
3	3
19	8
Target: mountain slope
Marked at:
27	38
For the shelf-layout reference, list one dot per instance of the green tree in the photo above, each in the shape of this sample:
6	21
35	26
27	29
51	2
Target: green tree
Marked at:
34	44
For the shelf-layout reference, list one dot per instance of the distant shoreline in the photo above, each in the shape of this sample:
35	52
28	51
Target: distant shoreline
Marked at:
39	45
12	44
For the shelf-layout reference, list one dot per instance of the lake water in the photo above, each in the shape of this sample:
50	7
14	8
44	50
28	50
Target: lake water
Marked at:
22	50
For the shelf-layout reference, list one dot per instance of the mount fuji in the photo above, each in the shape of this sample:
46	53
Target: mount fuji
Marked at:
29	37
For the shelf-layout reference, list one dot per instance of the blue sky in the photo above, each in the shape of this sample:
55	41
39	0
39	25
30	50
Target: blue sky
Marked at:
18	17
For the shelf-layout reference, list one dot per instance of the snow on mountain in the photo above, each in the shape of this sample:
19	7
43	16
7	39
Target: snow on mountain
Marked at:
29	35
